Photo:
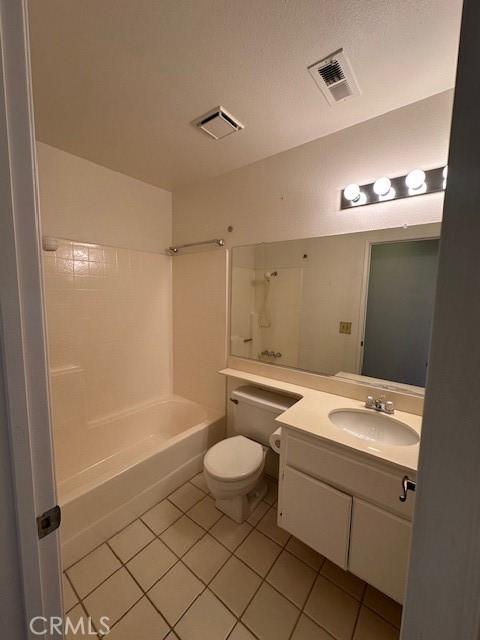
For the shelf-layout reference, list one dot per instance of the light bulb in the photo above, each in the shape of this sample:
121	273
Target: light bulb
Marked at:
361	199
415	179
352	192
382	186
389	196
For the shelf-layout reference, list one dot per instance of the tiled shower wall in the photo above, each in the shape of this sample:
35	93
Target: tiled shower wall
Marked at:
109	341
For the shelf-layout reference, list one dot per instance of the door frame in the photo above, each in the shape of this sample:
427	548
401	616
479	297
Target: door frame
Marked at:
364	291
443	590
23	324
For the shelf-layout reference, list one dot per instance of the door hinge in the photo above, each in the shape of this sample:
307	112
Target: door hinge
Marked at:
49	521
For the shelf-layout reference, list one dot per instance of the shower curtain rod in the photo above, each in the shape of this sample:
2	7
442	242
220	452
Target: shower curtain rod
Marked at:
218	241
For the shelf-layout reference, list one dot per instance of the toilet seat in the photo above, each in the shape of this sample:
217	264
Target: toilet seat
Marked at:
234	459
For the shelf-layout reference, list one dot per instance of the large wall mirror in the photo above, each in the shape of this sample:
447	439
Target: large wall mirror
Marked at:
356	306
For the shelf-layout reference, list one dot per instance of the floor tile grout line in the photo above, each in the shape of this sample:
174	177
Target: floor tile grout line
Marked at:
151	509
159	612
124	562
283	594
124	613
87	615
357	617
382	617
307	599
169	498
87	595
378	613
310	617
73	589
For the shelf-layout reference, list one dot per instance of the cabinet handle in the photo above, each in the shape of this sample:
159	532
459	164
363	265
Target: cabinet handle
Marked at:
407	485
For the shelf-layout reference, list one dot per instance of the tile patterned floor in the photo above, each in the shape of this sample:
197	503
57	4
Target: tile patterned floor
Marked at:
183	570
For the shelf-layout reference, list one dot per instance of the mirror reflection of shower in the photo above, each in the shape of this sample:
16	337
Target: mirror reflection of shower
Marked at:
265	316
270	274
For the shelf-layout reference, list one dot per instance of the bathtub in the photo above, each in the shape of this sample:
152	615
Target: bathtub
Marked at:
141	456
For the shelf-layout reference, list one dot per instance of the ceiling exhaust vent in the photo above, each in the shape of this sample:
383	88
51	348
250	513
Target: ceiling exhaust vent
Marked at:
335	77
218	123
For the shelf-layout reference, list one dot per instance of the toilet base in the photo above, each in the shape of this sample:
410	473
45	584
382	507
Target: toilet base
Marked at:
240	508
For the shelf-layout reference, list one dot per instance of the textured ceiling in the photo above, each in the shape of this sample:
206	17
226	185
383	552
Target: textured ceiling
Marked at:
119	81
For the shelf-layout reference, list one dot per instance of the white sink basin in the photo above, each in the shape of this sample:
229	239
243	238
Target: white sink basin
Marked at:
378	428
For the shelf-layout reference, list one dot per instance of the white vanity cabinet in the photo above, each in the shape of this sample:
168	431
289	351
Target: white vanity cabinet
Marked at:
347	508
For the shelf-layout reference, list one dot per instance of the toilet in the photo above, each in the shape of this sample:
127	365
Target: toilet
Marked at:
233	468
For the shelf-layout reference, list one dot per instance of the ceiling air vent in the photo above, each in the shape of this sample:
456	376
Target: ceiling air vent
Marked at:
218	123
335	77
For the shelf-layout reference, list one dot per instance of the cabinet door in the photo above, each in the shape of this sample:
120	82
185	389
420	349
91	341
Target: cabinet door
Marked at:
316	514
379	548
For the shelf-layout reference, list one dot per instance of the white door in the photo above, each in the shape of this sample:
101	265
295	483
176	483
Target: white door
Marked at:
22	335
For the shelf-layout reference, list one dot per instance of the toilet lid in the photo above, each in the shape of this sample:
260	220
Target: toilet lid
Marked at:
233	458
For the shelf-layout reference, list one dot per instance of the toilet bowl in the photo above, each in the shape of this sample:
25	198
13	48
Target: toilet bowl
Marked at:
233	471
233	468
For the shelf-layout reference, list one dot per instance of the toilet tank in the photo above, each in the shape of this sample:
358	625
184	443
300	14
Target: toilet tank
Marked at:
255	411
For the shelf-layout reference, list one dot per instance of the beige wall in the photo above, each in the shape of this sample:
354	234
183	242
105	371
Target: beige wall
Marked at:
83	201
200	324
296	194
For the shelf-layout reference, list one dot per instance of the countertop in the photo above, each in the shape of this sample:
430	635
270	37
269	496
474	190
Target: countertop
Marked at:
310	416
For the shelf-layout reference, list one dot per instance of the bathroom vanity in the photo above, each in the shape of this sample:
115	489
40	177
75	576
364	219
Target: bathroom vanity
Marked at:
346	508
340	484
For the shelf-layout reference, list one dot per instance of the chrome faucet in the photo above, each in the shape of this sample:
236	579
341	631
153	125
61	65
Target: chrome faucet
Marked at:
380	404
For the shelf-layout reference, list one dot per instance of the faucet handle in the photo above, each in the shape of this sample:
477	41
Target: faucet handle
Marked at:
389	407
370	402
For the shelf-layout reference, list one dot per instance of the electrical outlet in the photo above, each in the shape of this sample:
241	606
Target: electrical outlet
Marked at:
345	327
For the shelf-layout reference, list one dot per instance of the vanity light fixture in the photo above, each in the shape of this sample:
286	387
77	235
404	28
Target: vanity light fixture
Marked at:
382	186
352	192
354	195
415	183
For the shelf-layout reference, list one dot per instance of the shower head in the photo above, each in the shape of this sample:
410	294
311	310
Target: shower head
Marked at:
270	274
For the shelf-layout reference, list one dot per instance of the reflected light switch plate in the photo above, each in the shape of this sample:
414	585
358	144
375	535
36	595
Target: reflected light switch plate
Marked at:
345	327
